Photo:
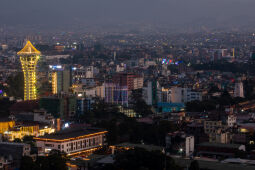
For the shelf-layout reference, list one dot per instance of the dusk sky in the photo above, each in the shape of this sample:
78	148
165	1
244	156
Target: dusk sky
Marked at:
166	12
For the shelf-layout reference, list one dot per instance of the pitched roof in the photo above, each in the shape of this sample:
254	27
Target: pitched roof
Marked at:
29	49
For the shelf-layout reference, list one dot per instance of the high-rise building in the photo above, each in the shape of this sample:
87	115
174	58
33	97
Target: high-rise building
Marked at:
239	89
184	95
54	82
91	71
132	81
29	57
116	94
253	52
152	93
61	81
60	106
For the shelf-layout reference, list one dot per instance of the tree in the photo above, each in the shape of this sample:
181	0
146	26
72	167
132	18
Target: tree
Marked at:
17	140
42	163
57	160
29	140
139	158
44	89
194	165
27	163
248	89
200	106
162	128
103	110
214	89
15	86
138	103
5	104
112	128
129	130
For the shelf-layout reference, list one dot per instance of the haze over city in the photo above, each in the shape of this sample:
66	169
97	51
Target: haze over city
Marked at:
174	15
127	84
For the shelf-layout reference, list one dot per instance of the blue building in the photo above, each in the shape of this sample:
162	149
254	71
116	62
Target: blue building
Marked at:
165	107
83	105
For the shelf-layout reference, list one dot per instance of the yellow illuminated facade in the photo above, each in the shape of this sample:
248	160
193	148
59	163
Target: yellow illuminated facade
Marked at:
6	125
54	83
29	57
80	144
27	131
128	112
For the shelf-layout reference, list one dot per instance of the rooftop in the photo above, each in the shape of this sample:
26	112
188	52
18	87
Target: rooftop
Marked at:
71	133
13	144
29	49
220	145
146	147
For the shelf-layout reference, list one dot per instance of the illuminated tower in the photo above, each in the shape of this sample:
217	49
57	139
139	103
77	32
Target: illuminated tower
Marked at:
29	56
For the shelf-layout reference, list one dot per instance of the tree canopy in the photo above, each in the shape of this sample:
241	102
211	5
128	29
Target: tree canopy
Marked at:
54	161
129	130
15	86
139	159
194	165
138	103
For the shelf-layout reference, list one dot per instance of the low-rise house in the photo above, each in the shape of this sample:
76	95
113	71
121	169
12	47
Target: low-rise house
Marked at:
11	153
219	149
180	143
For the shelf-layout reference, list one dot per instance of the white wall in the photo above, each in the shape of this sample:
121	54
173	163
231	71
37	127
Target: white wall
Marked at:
189	145
183	95
82	144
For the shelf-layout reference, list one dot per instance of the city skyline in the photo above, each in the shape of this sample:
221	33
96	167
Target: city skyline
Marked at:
127	84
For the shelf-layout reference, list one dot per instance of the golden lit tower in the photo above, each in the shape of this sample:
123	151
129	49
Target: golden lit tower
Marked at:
29	56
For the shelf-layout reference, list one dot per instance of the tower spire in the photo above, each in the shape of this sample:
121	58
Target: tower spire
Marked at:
29	57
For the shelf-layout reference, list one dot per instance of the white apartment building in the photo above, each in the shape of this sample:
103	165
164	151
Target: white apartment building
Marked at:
189	145
166	95
91	71
184	95
231	120
71	141
220	137
152	93
138	83
239	90
121	67
184	145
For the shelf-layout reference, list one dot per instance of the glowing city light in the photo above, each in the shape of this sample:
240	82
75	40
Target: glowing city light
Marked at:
66	125
29	57
169	61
